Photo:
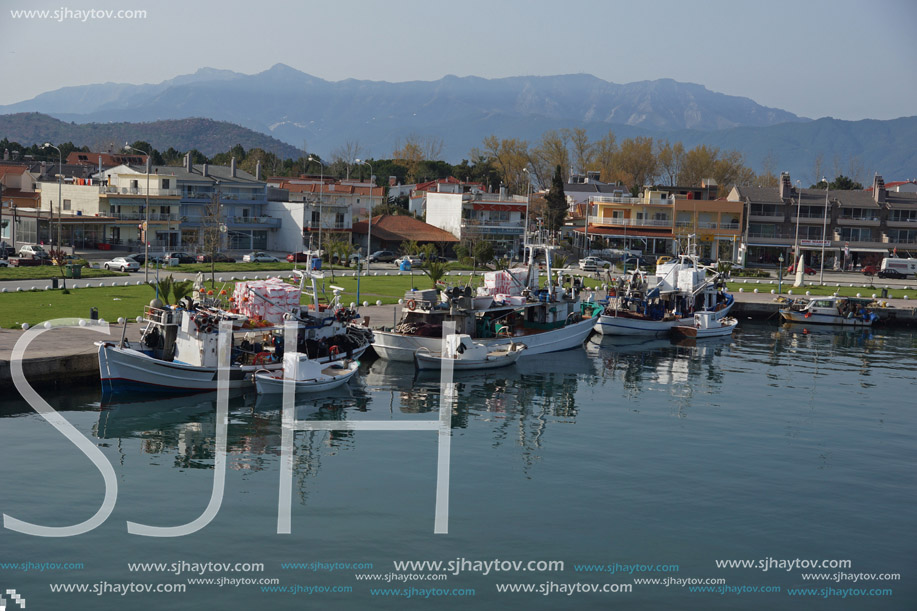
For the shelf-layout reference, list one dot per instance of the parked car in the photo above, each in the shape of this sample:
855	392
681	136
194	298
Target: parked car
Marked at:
412	260
260	257
218	257
183	257
34	251
4	263
139	257
891	273
870	270
382	256
122	263
810	271
590	264
6	251
301	257
423	257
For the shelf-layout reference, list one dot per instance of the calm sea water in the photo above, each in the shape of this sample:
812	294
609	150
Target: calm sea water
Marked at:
780	443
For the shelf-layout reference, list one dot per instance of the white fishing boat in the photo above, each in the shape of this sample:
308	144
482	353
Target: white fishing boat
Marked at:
510	308
706	325
305	374
464	354
644	304
841	311
178	347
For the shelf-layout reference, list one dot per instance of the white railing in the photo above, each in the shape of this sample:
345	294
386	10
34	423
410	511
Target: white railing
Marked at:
614	199
625	222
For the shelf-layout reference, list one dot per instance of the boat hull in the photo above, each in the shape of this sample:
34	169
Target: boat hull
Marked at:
425	362
815	318
401	347
268	384
124	370
692	331
608	324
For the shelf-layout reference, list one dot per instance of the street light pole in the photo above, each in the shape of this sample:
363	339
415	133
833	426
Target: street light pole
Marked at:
60	178
321	200
146	224
780	274
369	227
528	203
824	231
798	208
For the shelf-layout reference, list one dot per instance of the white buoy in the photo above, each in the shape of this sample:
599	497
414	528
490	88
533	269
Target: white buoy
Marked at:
47	288
139	282
352	305
82	323
140	319
789	292
4	290
773	292
120	320
365	304
401	302
756	290
859	295
220	279
906	297
873	295
47	324
378	302
33	288
808	293
25	326
102	321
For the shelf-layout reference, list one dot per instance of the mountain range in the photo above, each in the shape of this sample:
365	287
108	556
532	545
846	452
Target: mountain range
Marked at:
308	112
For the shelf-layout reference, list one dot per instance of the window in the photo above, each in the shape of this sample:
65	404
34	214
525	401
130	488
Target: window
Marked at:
762	230
810	232
906	216
766	210
66	204
902	236
339	219
316	217
812	212
165	183
856	234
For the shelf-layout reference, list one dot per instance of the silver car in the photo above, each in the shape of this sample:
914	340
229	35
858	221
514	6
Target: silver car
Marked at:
122	263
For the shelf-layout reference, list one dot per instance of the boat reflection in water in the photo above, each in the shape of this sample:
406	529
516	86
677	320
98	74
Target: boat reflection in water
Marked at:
682	367
518	401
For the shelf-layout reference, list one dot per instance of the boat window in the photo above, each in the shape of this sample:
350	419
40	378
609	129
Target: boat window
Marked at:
823	304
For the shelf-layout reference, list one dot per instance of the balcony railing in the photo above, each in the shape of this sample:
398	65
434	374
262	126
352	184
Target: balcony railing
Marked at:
141	216
614	199
341	226
629	222
154	192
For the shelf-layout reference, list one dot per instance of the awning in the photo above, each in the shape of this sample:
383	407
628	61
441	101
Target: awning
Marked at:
770	245
858	249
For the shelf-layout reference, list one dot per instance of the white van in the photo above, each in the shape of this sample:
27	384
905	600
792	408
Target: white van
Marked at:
905	266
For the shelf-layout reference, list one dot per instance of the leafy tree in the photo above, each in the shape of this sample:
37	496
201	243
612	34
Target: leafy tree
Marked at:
635	163
483	252
670	158
146	147
556	202
410	247
841	183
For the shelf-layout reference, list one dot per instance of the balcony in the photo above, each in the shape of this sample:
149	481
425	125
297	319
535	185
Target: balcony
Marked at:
603	199
903	223
326	226
858	221
138	191
481	226
141	216
809	219
625	222
236	222
767	218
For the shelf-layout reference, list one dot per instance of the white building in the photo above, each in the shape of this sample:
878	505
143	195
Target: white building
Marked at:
497	218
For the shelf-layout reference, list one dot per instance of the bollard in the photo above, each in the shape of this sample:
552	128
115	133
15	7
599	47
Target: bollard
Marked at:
93	313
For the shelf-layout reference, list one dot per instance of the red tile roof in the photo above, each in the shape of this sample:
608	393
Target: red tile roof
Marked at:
391	227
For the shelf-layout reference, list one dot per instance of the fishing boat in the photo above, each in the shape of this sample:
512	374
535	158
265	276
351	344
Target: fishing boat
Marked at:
509	308
842	311
706	325
643	304
179	345
464	354
306	375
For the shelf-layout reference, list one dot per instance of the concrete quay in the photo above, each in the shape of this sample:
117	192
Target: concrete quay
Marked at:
65	356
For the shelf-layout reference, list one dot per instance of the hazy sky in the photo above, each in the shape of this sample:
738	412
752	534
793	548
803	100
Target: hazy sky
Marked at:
847	59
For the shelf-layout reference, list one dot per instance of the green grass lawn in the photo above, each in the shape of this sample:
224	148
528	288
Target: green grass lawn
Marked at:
45	272
113	302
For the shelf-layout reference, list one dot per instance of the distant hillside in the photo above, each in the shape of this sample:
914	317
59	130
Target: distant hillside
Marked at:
206	135
296	107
